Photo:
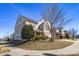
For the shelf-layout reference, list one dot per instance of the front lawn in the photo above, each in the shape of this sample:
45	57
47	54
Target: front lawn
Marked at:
3	49
42	45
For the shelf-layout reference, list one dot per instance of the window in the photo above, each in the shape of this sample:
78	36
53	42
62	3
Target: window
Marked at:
46	26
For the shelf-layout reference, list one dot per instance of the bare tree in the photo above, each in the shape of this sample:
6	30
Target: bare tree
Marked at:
56	18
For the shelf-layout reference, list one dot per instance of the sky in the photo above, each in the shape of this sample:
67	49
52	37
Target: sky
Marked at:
9	13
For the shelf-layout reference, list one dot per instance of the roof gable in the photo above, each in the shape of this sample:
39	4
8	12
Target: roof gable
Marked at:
23	18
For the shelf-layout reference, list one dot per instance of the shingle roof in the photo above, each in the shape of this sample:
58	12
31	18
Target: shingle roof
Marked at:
28	19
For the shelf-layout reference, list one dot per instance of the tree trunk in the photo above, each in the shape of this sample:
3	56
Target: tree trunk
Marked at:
53	34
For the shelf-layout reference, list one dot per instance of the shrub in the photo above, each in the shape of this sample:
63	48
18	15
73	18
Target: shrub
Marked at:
38	37
27	32
46	37
41	37
51	39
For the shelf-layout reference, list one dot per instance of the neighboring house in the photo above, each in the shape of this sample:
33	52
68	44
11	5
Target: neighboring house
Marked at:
12	36
42	26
